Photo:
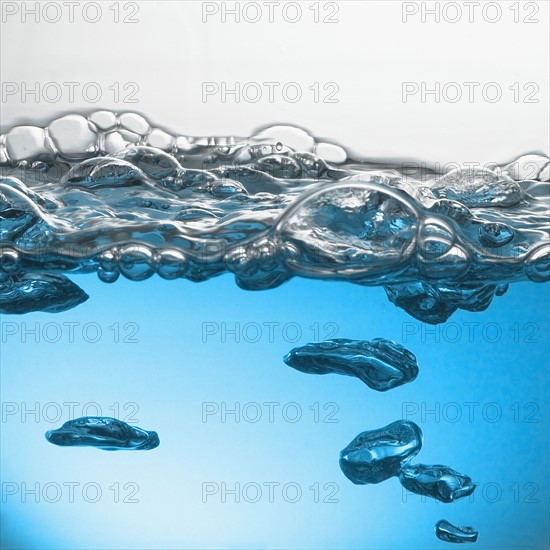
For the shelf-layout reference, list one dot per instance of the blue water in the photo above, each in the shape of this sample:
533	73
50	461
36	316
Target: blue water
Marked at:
171	372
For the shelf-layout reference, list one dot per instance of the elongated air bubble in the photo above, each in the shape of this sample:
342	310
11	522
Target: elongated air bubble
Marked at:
38	292
447	532
436	481
103	432
381	364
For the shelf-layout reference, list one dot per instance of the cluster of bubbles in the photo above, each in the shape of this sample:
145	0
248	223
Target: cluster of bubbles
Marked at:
377	455
113	195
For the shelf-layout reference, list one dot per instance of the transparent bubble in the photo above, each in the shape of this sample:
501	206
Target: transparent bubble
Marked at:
171	264
136	262
108	276
537	264
9	260
495	234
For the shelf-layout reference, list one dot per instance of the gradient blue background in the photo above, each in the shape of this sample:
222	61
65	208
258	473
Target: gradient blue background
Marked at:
171	372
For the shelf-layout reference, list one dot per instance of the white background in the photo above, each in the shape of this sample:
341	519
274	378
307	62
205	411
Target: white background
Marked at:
169	52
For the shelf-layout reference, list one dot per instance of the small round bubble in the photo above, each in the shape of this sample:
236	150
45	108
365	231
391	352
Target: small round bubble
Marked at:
108	260
171	264
9	260
495	234
136	262
107	276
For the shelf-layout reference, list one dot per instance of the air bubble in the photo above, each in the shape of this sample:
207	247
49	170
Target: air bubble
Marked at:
108	276
537	264
279	166
160	139
103	120
264	253
237	261
108	260
103	432
436	481
446	531
136	262
27	142
171	264
104	172
436	239
130	137
377	455
134	123
477	187
495	234
73	136
331	153
9	260
354	228
152	161
114	142
227	188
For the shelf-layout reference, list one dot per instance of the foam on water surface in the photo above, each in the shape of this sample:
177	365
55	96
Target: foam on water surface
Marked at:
113	195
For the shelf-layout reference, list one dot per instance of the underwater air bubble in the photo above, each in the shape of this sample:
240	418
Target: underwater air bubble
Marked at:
39	292
437	481
448	532
495	234
380	364
103	432
136	262
377	455
171	264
